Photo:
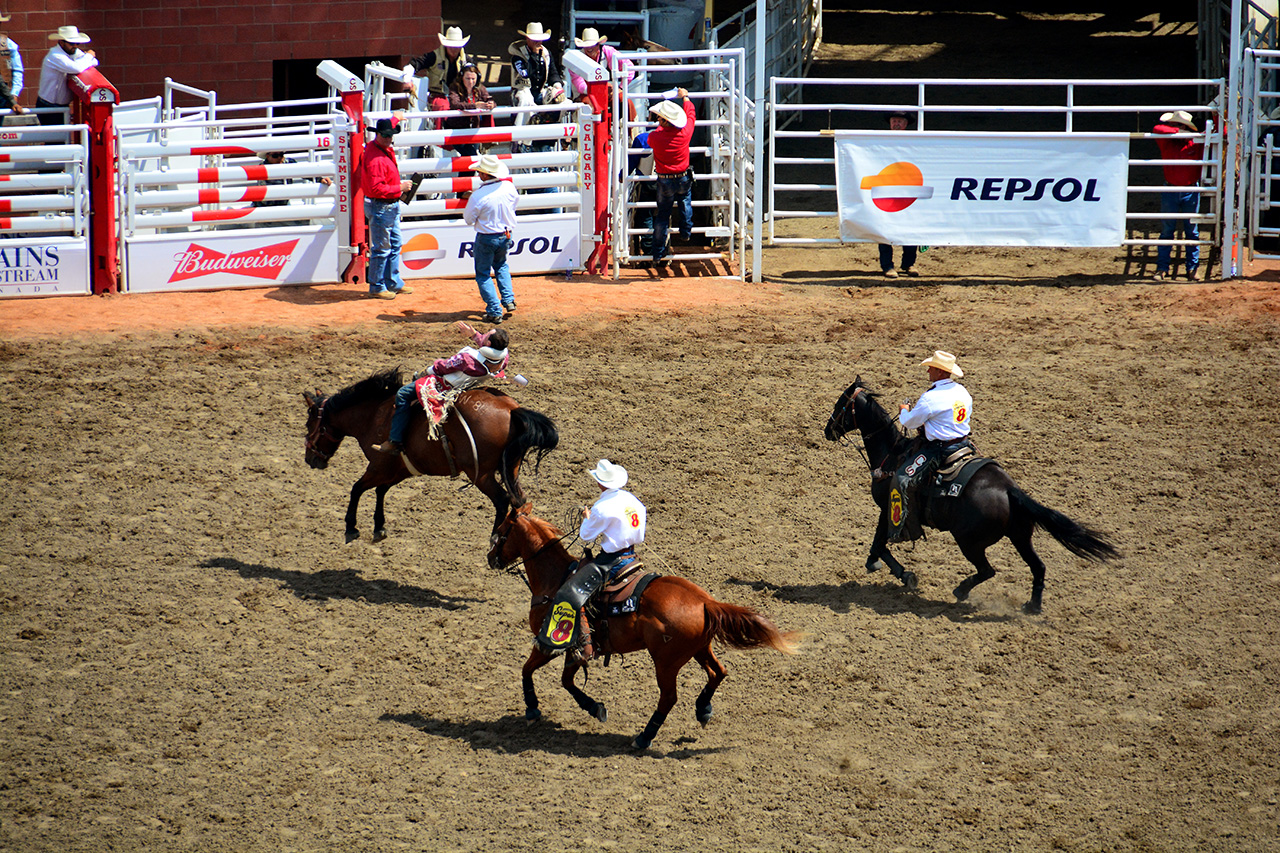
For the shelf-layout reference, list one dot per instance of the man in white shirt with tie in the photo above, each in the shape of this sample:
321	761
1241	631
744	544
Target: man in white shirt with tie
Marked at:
491	210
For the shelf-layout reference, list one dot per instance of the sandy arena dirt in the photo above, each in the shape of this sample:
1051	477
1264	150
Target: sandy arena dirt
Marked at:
191	659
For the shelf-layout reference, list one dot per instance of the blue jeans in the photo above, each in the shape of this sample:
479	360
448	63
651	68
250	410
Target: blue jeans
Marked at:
400	419
384	245
1174	201
886	257
491	256
671	191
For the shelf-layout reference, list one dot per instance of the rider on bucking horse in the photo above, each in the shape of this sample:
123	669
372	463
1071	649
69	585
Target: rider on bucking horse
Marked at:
945	411
487	357
618	517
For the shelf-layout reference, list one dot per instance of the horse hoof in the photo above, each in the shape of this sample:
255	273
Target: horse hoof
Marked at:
704	715
909	581
875	566
352	535
379	535
532	715
601	713
960	593
641	742
1031	608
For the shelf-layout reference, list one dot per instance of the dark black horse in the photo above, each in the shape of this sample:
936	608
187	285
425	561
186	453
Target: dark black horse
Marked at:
990	508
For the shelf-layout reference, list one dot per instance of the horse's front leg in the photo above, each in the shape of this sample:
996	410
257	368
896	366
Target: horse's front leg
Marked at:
535	661
880	556
353	533
379	516
585	702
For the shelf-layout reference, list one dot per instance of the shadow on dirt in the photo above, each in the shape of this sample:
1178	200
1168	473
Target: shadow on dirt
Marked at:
864	279
347	583
513	734
884	598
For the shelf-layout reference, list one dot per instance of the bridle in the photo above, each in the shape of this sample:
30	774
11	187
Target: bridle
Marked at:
500	542
853	421
322	430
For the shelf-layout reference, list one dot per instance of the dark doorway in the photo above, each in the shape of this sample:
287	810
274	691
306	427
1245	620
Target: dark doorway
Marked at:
296	79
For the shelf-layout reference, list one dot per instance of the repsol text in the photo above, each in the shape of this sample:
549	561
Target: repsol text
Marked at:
1025	189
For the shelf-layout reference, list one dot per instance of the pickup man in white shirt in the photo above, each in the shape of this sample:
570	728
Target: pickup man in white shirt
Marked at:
491	210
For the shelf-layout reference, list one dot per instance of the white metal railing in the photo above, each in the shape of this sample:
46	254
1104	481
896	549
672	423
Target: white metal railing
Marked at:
793	31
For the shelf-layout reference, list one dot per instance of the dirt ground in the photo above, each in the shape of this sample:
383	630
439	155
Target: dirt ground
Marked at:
191	658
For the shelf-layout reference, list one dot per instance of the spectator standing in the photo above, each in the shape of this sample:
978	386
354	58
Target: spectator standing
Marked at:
669	142
10	70
469	95
491	210
1179	199
380	180
535	77
442	65
898	121
66	58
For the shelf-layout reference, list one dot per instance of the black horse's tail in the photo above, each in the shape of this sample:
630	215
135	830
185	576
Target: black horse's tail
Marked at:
1075	537
530	430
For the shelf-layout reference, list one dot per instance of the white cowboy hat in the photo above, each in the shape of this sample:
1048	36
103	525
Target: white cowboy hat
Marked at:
609	475
490	165
492	355
69	34
453	37
1181	117
590	38
535	31
671	111
943	361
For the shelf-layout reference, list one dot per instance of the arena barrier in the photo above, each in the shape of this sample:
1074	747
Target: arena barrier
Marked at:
1067	109
719	154
1258	203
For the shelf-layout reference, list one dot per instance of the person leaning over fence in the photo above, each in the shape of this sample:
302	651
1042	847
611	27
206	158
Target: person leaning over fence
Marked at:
491	210
535	75
1179	199
898	121
593	45
442	65
10	71
673	175
64	59
380	180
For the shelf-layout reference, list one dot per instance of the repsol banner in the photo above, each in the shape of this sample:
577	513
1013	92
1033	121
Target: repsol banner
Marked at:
982	189
445	249
44	268
244	258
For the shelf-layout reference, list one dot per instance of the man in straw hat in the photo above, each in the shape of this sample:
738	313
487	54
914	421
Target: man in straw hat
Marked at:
944	412
442	66
10	70
535	75
491	210
382	185
65	58
618	518
673	176
1180	199
439	385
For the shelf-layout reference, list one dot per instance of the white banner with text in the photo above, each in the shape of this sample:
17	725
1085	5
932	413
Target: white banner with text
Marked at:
444	249
50	267
982	189
243	258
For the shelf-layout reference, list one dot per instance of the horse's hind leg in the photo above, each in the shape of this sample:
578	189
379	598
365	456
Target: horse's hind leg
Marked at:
1028	553
715	674
535	661
585	702
379	517
667	672
978	556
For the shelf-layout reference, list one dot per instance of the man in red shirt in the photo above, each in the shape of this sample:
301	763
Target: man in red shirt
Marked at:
670	144
380	178
1180	200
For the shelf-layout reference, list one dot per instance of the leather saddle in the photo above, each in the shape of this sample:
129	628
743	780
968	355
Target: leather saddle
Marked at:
618	597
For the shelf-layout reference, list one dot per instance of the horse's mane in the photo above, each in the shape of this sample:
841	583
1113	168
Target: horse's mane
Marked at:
377	387
885	420
548	532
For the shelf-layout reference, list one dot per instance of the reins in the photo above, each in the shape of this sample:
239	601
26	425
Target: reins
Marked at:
322	430
872	469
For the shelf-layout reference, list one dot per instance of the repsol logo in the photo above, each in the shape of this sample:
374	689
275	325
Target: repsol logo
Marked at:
534	246
1025	189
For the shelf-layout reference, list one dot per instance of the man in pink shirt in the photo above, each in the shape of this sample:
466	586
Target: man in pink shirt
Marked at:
380	179
674	178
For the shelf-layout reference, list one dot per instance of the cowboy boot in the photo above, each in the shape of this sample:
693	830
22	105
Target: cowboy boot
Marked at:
586	651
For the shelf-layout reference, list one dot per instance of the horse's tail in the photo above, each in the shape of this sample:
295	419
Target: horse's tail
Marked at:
743	628
530	431
1075	537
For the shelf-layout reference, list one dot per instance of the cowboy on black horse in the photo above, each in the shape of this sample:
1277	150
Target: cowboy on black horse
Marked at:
944	411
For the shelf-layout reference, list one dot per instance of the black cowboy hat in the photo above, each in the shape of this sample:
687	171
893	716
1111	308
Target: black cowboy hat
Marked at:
384	127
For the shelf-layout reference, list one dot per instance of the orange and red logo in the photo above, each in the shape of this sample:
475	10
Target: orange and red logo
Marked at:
420	251
897	187
263	262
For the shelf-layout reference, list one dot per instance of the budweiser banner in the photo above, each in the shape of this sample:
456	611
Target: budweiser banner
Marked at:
444	249
247	258
982	189
51	267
